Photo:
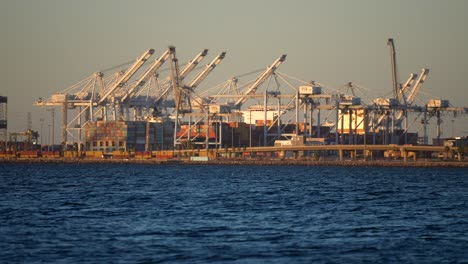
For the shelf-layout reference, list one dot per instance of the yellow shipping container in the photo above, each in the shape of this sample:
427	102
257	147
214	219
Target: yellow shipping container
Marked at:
94	154
70	154
117	154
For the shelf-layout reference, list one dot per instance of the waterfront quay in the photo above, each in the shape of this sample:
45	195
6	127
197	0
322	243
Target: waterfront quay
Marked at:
320	155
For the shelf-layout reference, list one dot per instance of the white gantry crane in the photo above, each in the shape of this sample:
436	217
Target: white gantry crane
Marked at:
417	86
259	81
168	85
190	87
122	80
183	94
403	94
148	72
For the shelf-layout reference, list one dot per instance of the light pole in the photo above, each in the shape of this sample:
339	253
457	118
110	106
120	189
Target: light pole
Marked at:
453	127
42	124
52	110
48	138
250	128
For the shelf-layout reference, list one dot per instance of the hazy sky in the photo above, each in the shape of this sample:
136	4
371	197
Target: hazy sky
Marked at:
48	45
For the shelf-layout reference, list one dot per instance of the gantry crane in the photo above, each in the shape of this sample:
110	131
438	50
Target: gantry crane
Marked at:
190	87
143	77
259	81
122	80
417	86
181	74
192	64
184	94
407	85
408	95
207	70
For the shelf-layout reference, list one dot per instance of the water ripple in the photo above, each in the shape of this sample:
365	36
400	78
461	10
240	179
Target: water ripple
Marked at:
236	214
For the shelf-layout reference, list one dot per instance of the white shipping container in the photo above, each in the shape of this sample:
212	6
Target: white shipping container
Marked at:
60	98
216	108
350	100
305	90
199	158
385	101
310	90
438	103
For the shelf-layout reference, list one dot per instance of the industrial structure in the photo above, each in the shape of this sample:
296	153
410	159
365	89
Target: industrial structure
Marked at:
3	122
129	113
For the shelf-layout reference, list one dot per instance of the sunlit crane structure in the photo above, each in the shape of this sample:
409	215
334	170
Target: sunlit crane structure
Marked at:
199	117
233	107
186	100
112	98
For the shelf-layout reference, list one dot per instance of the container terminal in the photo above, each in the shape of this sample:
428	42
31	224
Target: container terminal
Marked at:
162	113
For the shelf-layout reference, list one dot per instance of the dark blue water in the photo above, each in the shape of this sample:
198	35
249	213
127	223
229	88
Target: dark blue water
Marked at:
231	214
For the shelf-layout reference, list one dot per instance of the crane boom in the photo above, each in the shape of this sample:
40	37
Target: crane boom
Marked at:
409	82
396	93
192	64
128	74
417	86
208	69
183	73
254	86
414	92
153	68
407	85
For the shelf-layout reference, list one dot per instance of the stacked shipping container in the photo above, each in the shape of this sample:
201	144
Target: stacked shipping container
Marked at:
127	135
